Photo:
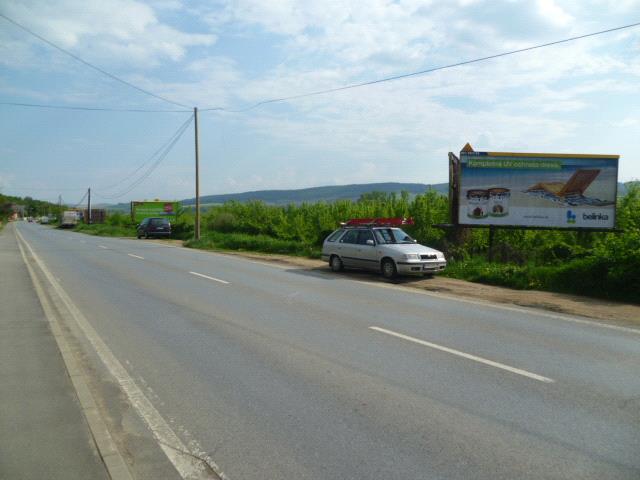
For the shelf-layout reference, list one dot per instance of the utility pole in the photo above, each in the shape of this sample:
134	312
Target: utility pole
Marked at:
196	229
89	206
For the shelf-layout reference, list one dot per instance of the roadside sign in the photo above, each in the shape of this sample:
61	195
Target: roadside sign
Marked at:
537	189
165	209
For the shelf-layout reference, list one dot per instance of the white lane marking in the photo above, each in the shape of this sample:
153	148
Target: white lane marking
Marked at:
468	356
529	311
209	278
102	246
187	464
135	256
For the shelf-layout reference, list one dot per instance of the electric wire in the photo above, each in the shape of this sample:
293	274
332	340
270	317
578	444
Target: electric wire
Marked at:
88	64
151	157
81	200
420	72
90	109
151	167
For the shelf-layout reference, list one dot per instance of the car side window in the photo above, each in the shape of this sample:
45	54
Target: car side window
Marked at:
363	236
334	236
350	237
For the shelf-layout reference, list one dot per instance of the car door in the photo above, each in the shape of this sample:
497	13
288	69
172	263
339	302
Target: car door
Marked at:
142	226
366	251
347	248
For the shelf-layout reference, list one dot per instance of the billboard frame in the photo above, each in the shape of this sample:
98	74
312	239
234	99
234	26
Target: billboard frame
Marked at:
455	192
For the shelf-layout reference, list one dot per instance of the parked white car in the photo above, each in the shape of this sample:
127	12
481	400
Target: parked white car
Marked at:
386	249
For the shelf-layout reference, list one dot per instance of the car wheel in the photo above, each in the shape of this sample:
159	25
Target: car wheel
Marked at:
388	268
138	235
336	263
146	234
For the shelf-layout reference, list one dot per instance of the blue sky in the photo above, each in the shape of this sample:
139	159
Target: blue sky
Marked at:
582	97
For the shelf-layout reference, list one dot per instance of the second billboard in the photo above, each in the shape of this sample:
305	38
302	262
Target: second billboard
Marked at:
538	189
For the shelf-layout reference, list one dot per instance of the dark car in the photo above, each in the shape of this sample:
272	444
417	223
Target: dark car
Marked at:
154	227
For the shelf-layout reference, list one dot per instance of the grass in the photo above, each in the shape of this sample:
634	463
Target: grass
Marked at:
593	276
106	230
253	243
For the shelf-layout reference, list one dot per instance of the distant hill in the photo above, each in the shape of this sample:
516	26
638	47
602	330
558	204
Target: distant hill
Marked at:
318	194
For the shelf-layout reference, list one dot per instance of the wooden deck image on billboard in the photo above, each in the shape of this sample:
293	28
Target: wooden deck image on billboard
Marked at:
571	192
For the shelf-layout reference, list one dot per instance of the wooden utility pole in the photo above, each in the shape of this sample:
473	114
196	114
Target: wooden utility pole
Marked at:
196	229
89	206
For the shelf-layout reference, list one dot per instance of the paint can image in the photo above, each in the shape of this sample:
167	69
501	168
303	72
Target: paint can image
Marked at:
499	201
477	203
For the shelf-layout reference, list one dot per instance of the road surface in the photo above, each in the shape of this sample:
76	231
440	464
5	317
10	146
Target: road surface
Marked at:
286	373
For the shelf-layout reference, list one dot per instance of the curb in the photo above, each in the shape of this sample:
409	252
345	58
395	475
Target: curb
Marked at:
113	461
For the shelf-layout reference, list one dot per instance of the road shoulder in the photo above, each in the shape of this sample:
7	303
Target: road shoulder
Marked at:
42	428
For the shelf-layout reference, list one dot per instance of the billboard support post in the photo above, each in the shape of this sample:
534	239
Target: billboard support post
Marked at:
492	231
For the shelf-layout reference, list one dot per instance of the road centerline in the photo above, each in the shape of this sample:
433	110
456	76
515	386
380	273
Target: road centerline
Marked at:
210	278
102	246
135	256
468	356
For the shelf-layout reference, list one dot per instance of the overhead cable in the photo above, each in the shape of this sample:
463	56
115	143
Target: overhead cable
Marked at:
151	167
151	157
91	109
90	65
420	72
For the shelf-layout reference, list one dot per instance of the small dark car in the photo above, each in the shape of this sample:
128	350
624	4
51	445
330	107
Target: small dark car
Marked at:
154	227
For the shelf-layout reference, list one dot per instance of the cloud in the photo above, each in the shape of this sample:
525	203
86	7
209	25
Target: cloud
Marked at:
553	13
114	31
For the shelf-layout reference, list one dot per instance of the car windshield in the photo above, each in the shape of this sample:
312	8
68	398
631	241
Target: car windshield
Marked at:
392	235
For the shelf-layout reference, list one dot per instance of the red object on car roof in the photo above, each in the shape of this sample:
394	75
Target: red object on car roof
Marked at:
378	222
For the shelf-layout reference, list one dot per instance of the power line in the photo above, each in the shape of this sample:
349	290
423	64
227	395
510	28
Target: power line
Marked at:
90	65
81	200
420	72
154	165
151	157
91	109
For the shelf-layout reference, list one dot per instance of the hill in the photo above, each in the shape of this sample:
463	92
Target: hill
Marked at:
319	194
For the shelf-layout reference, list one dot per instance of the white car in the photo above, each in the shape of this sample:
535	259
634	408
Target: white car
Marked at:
386	249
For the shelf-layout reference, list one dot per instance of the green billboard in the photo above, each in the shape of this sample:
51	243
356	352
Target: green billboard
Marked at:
157	208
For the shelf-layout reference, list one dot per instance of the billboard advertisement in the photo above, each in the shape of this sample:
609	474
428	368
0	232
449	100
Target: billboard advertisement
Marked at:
538	189
158	208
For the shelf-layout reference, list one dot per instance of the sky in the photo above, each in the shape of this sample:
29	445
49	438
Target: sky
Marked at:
578	97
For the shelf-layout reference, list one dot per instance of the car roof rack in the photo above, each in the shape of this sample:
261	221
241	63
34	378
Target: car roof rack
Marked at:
377	222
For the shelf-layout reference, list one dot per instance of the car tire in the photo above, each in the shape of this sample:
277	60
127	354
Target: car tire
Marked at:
139	237
146	235
336	264
388	268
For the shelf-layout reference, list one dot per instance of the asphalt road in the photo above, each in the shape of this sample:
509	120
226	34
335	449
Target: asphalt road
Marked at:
278	373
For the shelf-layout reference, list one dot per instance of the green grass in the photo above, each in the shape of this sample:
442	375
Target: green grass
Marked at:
105	230
592	276
253	243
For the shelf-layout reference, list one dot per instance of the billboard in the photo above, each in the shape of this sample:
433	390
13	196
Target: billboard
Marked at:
158	208
537	189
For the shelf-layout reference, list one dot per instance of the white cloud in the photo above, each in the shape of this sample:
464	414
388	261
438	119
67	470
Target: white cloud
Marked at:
119	31
552	12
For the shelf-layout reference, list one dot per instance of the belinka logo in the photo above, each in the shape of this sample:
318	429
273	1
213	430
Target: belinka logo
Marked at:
595	216
571	217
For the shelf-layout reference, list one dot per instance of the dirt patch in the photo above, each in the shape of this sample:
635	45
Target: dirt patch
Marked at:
617	313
